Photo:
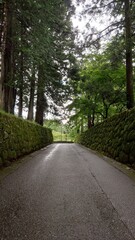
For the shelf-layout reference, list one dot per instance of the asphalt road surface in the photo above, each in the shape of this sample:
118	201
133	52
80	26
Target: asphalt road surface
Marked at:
66	192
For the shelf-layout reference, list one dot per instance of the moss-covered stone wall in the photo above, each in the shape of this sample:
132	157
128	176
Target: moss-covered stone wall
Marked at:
115	137
19	137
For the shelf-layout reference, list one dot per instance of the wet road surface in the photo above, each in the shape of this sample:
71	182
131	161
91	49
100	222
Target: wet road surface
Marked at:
66	192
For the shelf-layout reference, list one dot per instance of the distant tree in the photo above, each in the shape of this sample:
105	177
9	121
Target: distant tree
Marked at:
54	124
101	87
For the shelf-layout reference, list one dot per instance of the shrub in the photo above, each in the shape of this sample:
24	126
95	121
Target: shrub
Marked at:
115	137
19	137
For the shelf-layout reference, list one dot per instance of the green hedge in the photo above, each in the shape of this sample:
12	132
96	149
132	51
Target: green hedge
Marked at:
115	137
19	137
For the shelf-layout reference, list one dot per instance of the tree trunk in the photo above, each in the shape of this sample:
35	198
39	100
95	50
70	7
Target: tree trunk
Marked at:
82	127
1	44
2	47
129	67
12	93
41	100
2	23
7	91
93	117
20	107
12	100
32	93
89	121
5	59
21	88
8	74
40	108
106	111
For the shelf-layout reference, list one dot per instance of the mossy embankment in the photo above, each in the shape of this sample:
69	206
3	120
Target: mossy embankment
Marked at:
115	137
19	137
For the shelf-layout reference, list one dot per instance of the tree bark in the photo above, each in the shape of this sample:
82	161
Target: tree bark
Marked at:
12	100
93	117
129	67
2	47
40	109
32	94
89	121
12	93
2	23
41	100
8	60
106	111
82	127
6	82
20	107
4	51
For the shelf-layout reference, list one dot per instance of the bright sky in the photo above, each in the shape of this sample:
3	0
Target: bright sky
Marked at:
80	21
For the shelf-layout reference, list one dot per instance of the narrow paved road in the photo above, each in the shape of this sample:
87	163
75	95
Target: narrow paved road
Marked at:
65	192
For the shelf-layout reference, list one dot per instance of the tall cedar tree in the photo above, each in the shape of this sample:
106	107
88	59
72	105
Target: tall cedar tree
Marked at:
42	38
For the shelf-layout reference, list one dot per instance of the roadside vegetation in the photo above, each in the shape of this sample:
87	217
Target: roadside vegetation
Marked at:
19	137
115	137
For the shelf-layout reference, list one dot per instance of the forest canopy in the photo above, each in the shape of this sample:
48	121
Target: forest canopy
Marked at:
46	62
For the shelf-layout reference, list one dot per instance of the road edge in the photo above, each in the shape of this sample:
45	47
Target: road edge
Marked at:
130	172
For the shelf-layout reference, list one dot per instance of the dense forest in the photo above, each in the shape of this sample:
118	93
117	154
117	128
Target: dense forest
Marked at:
46	64
36	50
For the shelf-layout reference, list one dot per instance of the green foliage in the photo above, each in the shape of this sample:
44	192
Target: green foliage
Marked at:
54	124
114	137
19	137
100	90
61	132
60	136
